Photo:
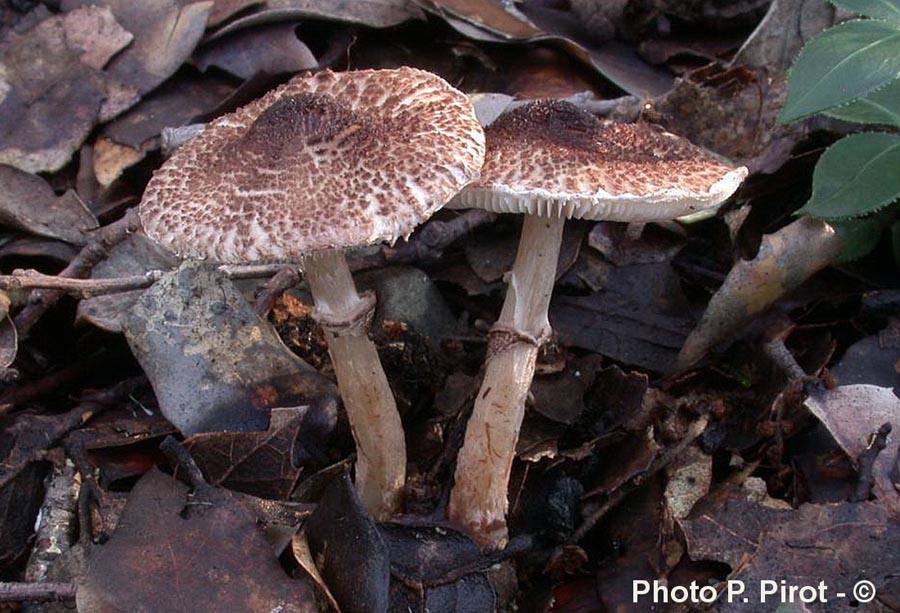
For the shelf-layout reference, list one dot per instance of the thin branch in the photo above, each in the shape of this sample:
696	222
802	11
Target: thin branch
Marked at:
81	265
866	463
87	288
427	247
81	288
429	244
37	592
284	279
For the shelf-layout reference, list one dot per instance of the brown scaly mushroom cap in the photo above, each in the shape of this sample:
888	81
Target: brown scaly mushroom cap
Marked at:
331	160
551	158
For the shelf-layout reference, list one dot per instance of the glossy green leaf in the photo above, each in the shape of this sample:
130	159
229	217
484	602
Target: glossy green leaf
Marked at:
842	64
881	107
858	237
888	10
857	175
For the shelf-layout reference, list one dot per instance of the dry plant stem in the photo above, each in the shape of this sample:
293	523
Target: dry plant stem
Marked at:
91	254
866	463
36	592
370	405
284	279
478	501
87	288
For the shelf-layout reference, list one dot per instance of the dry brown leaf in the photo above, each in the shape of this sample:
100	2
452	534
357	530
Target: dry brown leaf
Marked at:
785	259
111	159
27	202
165	35
371	13
852	413
175	552
491	21
224	9
214	365
267	464
51	86
95	32
689	480
300	549
489	15
273	49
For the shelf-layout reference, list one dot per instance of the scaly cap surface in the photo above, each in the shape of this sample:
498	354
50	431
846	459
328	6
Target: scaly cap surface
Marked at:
552	158
330	160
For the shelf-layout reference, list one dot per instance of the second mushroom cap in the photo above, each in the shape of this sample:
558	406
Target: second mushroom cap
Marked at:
552	158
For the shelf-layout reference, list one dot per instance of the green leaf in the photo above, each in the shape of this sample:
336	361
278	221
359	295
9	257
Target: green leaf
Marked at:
888	10
881	107
856	176
841	64
858	237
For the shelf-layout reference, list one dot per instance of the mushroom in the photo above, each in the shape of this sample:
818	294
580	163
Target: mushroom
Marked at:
324	163
553	161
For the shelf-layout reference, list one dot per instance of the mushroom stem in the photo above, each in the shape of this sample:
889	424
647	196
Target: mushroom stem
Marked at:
370	405
478	501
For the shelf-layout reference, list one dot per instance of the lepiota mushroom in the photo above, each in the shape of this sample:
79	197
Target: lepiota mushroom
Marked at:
553	161
321	164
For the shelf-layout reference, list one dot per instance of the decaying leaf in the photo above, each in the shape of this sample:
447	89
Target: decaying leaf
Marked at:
111	159
303	555
640	316
224	9
27	202
785	259
689	481
655	244
267	464
838	544
214	365
491	21
852	414
172	551
136	255
435	560
874	360
128	138
728	524
52	85
488	15
778	38
732	111
349	550
165	34
371	13
273	49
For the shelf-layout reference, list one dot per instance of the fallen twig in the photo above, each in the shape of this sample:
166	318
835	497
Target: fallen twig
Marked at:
284	279
36	592
429	244
87	288
866	463
90	255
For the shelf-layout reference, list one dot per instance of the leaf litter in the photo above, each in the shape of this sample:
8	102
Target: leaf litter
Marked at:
749	463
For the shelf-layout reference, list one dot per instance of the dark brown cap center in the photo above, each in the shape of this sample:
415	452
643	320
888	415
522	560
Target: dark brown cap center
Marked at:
296	122
561	123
